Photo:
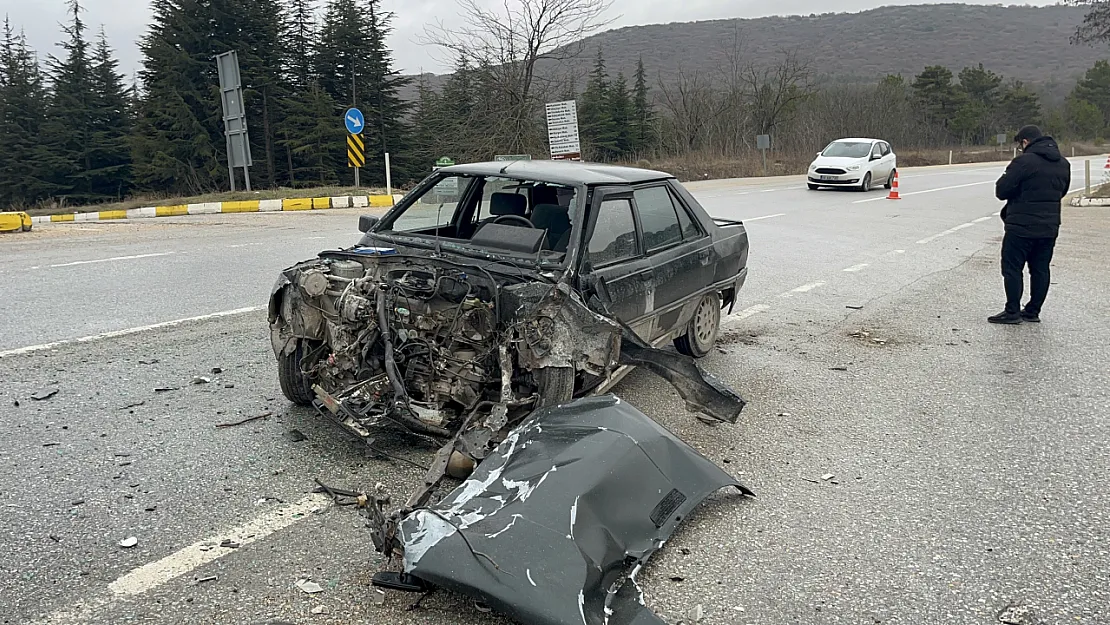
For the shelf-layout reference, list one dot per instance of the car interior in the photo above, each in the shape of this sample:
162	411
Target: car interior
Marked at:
516	216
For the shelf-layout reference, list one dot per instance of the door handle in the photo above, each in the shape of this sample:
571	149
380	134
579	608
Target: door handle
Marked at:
705	256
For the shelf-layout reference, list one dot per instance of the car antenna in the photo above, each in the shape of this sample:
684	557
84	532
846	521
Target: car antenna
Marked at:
507	166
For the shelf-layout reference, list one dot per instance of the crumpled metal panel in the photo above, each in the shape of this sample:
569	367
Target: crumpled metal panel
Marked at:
552	527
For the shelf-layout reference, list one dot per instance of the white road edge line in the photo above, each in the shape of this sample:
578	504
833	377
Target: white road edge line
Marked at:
945	233
959	186
744	314
118	333
150	576
107	260
764	217
855	268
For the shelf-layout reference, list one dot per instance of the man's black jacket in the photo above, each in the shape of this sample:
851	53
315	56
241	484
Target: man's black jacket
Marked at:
1033	186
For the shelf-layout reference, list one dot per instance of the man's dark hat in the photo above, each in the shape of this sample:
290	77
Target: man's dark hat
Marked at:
1028	133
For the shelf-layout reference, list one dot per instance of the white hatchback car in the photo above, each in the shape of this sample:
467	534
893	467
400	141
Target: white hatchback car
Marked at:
858	163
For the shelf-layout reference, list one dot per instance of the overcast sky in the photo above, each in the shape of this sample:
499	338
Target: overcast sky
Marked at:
126	20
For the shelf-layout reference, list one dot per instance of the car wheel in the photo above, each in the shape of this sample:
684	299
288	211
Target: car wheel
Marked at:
813	187
704	327
294	384
866	184
889	180
555	385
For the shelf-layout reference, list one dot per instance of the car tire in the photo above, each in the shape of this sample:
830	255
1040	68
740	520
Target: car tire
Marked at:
813	187
866	184
889	180
294	384
555	385
701	334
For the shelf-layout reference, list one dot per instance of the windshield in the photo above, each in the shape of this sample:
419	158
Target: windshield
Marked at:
499	214
848	149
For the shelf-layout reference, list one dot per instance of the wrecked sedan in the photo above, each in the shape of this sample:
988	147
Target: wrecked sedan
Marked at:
495	288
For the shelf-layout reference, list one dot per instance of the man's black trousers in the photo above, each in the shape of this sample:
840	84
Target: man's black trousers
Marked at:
1017	252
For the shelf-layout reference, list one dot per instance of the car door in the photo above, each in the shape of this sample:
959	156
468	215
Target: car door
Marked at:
878	172
614	262
889	158
681	254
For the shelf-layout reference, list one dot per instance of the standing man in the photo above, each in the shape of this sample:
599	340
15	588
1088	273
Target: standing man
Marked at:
1033	186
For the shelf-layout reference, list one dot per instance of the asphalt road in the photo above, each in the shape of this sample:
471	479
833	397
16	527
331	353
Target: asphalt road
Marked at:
968	460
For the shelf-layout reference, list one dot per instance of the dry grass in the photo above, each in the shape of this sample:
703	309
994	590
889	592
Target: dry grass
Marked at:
140	201
710	167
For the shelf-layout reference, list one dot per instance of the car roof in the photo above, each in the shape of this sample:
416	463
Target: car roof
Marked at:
857	139
560	172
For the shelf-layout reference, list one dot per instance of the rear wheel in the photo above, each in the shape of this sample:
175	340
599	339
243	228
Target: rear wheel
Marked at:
889	180
813	187
294	384
704	327
866	184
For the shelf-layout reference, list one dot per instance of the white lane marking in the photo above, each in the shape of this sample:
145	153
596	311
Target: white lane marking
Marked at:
749	312
855	268
805	288
107	260
896	252
945	233
958	186
980	220
118	333
232	247
150	576
764	217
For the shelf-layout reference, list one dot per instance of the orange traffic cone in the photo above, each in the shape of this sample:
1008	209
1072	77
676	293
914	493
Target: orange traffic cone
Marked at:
894	188
1107	163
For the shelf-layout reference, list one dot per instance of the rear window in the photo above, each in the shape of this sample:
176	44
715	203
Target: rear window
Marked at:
658	217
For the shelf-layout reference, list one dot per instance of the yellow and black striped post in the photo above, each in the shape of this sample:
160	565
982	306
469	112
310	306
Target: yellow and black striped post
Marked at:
356	154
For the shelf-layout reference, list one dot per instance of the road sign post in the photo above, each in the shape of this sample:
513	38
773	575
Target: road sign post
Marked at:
763	142
388	177
355	122
235	117
562	131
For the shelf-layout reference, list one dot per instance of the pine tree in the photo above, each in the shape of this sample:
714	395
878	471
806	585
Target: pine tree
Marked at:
643	137
385	113
1018	106
1094	87
22	116
620	111
68	131
109	172
934	91
598	133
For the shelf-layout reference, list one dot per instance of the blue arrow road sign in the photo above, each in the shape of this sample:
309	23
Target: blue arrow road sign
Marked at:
354	121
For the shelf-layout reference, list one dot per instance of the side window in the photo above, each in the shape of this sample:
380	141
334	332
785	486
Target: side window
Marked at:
877	150
885	148
658	217
614	237
690	229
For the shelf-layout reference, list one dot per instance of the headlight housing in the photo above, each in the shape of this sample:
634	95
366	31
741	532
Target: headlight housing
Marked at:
852	168
813	166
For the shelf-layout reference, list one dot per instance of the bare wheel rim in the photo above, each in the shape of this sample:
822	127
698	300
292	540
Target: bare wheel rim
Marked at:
706	319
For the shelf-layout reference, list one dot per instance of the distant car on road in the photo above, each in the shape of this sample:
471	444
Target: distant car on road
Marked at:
858	163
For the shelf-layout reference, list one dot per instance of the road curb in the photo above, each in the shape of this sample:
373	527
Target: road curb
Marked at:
15	222
218	208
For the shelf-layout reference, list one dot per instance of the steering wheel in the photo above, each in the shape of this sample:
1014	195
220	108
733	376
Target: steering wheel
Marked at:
517	219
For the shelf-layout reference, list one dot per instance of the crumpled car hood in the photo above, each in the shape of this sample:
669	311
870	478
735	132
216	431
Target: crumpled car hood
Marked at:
552	528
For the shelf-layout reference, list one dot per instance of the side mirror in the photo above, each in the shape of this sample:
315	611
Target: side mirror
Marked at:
818	154
366	222
876	157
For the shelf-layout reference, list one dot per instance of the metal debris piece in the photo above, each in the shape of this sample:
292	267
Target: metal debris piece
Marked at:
308	586
320	609
492	537
838	368
44	394
827	476
132	405
296	436
217	370
129	542
197	581
50	444
229	386
229	544
377	596
247	420
166	389
854	307
200	379
697	614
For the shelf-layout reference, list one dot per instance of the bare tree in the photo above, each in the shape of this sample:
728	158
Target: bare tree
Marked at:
510	42
776	92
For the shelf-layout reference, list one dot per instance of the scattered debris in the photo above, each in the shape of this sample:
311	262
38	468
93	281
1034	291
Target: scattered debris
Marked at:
16	403
1016	614
44	394
854	307
133	405
50	444
148	362
296	436
55	538
150	508
320	609
121	455
217	370
229	386
197	581
784	414
77	502
811	481
377	596
697	614
129	542
308	586
229	544
200	379
247	420
828	476
166	389
838	368
677	578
